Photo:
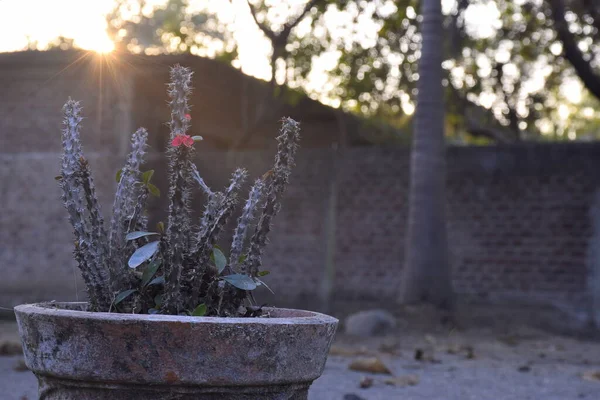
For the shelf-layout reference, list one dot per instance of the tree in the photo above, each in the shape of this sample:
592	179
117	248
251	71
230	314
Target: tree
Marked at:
279	38
171	28
426	276
268	108
502	83
584	14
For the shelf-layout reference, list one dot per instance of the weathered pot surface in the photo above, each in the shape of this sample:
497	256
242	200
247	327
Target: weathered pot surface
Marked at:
84	355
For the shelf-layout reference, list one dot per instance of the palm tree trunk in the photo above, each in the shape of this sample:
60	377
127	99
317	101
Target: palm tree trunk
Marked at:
426	275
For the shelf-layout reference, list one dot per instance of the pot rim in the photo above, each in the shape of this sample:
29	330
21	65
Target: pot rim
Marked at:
296	316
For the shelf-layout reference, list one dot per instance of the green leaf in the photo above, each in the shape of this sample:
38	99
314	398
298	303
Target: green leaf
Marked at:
138	234
161	227
150	271
199	311
197	138
158	300
58	178
265	285
153	190
119	173
123	295
220	260
143	254
242	259
263	273
241	281
146	176
159	280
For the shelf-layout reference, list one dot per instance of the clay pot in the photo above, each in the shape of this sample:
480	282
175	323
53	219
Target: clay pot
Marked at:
84	355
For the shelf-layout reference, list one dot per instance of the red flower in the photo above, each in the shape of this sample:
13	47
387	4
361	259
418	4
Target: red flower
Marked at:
186	140
188	116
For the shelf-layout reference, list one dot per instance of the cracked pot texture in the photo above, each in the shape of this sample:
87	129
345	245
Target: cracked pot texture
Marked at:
83	355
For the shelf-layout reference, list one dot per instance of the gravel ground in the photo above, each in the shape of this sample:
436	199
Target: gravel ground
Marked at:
515	362
449	380
453	377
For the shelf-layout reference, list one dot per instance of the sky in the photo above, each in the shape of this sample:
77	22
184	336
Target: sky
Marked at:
44	20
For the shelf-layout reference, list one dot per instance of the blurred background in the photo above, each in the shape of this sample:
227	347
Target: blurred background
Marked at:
521	88
446	199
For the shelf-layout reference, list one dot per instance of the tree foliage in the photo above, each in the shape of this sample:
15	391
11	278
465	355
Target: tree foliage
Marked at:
504	81
172	27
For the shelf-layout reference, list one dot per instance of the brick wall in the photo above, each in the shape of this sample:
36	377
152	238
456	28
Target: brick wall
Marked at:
519	222
35	238
518	219
519	216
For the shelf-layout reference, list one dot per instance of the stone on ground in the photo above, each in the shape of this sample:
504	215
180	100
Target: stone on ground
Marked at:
370	323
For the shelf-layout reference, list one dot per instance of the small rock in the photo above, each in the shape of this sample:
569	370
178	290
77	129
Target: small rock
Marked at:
370	323
425	355
372	364
366	382
524	368
419	354
470	353
352	396
9	348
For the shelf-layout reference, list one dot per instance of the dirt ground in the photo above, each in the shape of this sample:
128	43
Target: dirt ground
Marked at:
485	352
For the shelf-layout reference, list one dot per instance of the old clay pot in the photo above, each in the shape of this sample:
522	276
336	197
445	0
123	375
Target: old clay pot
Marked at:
85	355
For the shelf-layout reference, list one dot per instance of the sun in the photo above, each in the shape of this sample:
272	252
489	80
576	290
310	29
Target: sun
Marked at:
104	47
98	42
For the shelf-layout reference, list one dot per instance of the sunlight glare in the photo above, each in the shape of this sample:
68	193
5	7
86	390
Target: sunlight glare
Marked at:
572	89
96	41
563	112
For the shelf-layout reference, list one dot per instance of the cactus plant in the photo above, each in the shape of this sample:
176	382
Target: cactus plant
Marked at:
178	270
